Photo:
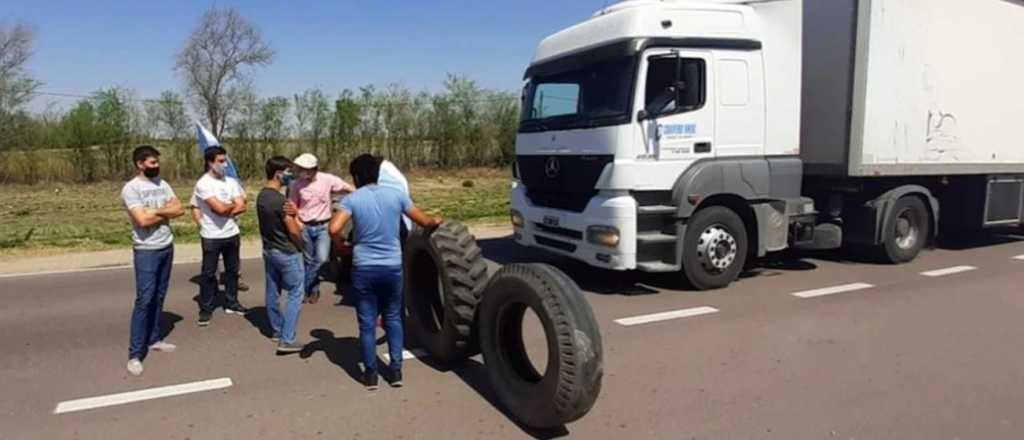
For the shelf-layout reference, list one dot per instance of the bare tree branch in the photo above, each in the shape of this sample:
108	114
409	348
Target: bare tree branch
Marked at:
216	64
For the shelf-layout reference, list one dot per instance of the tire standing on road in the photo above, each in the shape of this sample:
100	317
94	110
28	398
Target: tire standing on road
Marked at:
445	275
569	387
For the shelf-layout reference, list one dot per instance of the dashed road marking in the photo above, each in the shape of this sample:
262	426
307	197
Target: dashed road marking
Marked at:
832	290
407	354
1019	257
141	395
948	271
664	316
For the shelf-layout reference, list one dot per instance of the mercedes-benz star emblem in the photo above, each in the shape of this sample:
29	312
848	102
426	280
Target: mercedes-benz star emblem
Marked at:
552	167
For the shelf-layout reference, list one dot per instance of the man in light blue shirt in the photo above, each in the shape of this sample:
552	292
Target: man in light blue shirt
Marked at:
375	211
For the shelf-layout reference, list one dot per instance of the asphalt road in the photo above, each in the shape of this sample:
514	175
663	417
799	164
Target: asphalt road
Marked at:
889	354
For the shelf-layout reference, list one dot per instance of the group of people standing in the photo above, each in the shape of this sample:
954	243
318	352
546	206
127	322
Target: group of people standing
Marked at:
299	221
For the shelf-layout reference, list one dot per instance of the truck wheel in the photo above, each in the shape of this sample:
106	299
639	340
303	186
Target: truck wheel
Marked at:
714	248
571	382
908	227
445	274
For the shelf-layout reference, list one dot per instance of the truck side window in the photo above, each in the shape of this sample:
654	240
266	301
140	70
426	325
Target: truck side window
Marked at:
661	74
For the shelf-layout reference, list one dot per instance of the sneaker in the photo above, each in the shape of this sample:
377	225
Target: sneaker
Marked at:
204	319
162	346
293	347
370	380
396	379
135	367
276	338
236	309
313	298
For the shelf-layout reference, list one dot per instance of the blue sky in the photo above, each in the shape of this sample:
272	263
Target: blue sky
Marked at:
83	46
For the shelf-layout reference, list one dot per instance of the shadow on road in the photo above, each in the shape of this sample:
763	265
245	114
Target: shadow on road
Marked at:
607	282
474	374
167	322
343	352
257	316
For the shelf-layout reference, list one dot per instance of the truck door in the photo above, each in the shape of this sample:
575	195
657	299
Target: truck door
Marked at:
676	87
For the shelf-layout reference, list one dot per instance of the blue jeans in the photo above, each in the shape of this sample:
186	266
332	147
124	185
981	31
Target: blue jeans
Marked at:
152	277
317	250
378	291
284	272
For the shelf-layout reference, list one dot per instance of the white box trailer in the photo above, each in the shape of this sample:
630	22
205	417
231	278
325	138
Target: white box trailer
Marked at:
912	87
692	136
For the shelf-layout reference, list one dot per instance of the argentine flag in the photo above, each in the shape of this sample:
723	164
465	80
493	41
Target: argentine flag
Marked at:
205	140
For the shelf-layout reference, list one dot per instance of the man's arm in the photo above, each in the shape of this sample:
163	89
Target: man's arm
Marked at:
171	210
238	206
340	186
294	228
196	215
422	219
220	208
144	218
338	222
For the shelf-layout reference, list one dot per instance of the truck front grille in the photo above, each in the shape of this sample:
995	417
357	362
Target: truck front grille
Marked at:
561	182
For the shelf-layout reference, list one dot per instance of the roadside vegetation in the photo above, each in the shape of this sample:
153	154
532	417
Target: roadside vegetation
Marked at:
55	217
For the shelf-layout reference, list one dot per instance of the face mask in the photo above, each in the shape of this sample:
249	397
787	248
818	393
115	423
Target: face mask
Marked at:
218	168
287	179
151	173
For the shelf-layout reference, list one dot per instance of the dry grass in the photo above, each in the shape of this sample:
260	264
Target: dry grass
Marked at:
55	218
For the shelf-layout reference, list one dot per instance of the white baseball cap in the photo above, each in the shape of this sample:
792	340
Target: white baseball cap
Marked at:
306	160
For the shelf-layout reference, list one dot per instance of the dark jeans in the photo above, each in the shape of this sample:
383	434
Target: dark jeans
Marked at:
152	276
213	249
378	291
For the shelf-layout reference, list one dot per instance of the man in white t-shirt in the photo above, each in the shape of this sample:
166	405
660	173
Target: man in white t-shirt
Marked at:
220	200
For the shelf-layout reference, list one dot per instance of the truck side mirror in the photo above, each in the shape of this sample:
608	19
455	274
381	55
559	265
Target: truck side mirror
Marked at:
642	115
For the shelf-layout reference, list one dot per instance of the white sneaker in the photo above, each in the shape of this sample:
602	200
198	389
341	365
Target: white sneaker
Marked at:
135	367
162	346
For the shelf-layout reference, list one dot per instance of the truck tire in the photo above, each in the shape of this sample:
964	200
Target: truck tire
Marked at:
714	248
909	226
445	274
571	383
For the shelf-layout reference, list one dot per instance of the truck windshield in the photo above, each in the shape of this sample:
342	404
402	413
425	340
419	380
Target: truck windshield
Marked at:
594	96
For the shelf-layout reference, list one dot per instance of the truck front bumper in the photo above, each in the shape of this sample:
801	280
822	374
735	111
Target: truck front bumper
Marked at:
565	232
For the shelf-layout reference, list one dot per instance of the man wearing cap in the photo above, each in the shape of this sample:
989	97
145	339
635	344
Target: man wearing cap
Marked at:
312	195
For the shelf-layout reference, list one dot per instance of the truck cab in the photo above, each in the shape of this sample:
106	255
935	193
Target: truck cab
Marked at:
650	112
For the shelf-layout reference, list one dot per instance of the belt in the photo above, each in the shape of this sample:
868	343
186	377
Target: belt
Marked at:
316	222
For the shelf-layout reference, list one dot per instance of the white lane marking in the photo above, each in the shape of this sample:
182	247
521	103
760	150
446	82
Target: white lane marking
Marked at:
832	290
96	269
407	354
1019	257
140	395
948	271
664	316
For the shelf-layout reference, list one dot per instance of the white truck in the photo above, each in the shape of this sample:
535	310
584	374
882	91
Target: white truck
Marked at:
694	136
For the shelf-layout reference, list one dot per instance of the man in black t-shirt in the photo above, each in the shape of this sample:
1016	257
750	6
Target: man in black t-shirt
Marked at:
282	259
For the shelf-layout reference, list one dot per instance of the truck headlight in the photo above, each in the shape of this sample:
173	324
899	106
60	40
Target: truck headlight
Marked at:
603	235
517	219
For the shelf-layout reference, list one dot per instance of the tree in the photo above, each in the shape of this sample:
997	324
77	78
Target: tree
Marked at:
216	64
16	86
343	125
273	124
167	114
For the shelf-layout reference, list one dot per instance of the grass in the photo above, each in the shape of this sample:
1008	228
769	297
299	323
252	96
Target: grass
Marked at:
57	218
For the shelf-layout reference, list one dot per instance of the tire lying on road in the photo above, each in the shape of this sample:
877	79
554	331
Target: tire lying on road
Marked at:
445	274
570	384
